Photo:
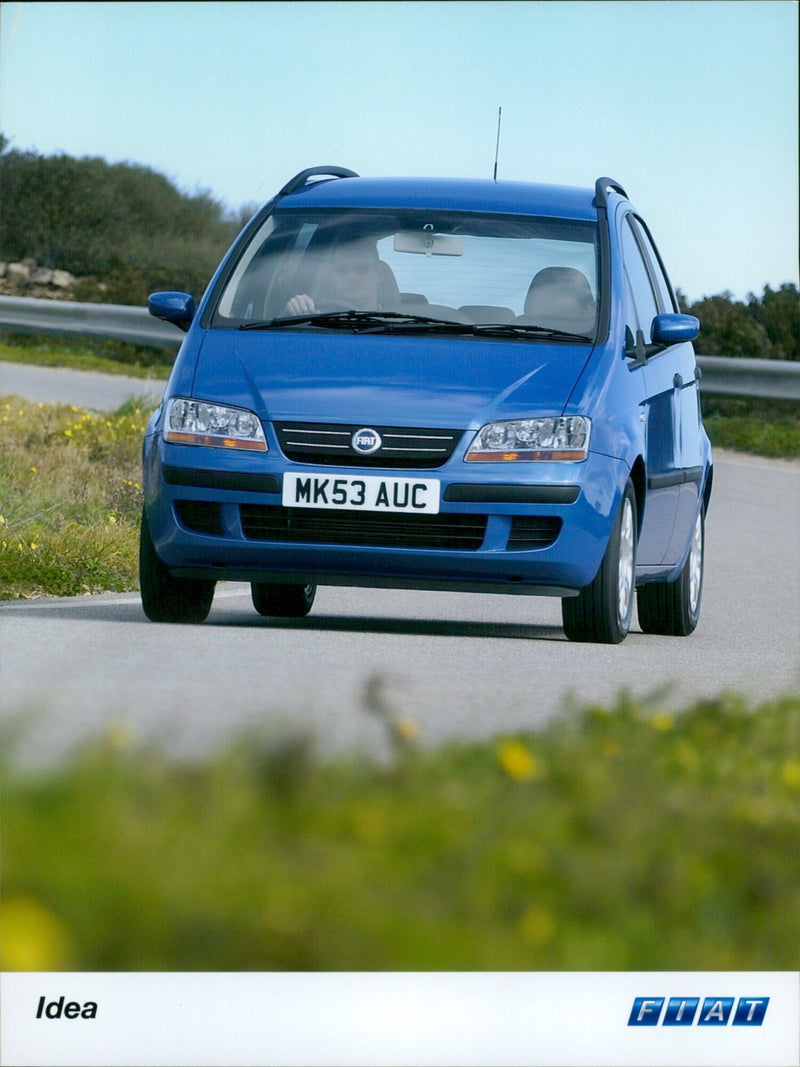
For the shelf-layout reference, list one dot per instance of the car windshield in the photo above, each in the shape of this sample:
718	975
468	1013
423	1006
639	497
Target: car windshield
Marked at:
419	266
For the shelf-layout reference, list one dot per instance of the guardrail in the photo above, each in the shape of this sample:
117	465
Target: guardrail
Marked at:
763	378
770	379
118	322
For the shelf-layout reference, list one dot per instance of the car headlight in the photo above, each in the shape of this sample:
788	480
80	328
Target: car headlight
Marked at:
196	422
562	437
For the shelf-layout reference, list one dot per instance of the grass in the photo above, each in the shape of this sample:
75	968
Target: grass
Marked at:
106	356
768	428
624	838
70	498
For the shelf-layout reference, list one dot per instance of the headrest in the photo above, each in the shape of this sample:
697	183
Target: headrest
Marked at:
560	298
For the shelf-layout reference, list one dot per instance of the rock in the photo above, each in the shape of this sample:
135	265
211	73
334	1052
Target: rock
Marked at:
62	279
17	274
41	276
42	283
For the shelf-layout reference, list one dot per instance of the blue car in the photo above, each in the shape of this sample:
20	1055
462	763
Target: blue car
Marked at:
433	384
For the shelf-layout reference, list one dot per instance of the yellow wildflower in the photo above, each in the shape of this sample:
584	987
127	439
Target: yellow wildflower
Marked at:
32	938
790	773
537	926
662	721
518	762
406	729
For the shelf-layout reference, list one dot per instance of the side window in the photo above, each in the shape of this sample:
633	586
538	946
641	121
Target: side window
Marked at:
663	288
631	323
643	297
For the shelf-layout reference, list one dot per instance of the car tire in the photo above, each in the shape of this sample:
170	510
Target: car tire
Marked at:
284	601
673	608
602	611
168	599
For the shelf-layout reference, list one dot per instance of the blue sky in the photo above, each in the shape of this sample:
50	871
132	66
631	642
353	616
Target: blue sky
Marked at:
692	105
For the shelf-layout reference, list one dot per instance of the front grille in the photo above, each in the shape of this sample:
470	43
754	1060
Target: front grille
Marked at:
533	532
401	446
367	528
200	516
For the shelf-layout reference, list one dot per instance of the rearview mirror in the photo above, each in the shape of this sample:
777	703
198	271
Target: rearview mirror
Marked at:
427	243
674	329
177	308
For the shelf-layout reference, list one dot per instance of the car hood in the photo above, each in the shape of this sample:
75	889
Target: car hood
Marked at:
332	377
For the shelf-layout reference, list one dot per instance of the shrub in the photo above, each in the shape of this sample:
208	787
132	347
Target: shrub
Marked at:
121	224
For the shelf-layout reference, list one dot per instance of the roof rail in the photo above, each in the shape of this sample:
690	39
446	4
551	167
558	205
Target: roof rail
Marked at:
300	180
601	187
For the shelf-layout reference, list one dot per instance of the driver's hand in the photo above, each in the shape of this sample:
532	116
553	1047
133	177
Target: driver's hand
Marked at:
300	305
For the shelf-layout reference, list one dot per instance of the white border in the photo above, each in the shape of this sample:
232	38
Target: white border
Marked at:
558	1018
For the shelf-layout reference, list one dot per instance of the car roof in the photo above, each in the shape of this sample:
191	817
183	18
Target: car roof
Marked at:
453	194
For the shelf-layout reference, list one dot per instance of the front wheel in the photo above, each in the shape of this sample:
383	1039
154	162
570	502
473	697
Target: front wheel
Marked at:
168	599
673	608
286	601
602	611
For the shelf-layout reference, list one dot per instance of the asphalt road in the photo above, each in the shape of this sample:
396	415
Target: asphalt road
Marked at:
458	665
88	389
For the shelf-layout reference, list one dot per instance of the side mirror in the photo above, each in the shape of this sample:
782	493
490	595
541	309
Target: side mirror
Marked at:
177	308
674	329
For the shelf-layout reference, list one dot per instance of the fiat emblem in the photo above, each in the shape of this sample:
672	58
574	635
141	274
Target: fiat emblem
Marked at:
366	441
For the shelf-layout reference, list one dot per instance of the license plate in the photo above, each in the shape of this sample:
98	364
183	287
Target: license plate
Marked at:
361	493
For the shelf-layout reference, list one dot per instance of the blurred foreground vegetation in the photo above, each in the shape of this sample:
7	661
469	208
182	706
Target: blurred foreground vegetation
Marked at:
625	838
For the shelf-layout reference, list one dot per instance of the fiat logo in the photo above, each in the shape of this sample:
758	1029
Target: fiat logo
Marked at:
366	441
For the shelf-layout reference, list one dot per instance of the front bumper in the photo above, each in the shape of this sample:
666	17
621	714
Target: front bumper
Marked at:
535	528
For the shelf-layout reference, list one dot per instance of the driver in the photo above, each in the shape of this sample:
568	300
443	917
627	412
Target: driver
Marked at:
351	282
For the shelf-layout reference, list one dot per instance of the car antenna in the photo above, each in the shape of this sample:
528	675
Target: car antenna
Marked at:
497	145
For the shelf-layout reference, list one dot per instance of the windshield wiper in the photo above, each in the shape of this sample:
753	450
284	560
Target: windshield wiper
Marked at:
366	320
520	329
389	321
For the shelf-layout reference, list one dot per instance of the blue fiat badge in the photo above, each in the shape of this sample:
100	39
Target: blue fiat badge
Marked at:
366	441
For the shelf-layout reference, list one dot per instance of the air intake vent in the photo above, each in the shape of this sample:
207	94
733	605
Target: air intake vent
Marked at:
533	532
310	526
200	516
